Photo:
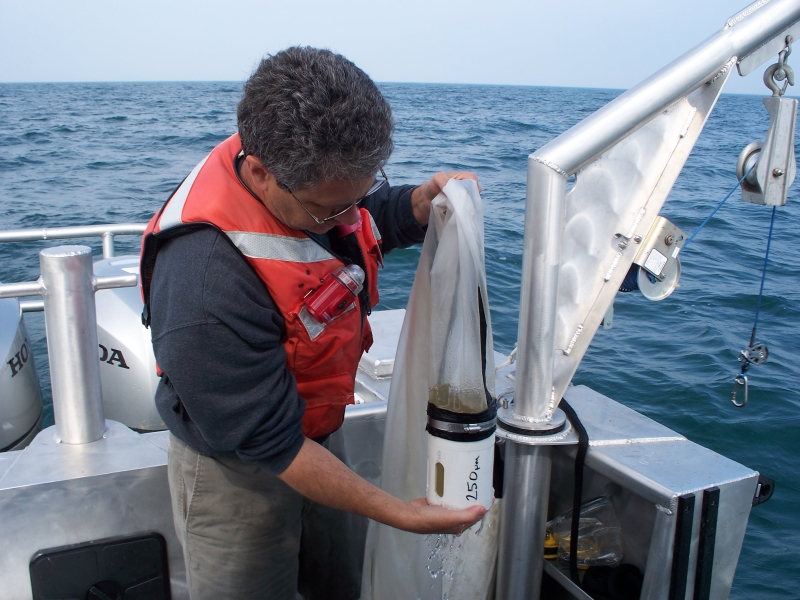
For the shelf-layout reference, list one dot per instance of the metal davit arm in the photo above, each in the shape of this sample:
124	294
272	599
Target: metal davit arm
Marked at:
559	324
743	34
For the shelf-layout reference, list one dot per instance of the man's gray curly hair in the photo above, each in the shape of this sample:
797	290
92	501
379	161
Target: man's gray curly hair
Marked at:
311	115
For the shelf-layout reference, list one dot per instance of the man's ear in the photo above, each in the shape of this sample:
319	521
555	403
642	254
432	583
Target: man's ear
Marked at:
261	177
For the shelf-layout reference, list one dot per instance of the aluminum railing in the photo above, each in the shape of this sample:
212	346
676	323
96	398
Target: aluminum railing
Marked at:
107	232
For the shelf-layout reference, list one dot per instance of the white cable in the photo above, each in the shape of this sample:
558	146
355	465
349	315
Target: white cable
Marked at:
510	360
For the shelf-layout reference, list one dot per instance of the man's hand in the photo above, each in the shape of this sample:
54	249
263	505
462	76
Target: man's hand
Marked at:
319	475
435	519
422	197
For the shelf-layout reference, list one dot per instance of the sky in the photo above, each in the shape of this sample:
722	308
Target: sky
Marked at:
575	43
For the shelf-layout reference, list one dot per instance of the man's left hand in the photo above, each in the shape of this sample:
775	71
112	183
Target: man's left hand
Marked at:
422	197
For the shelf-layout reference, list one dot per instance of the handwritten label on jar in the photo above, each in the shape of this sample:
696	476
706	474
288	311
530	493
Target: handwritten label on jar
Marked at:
472	484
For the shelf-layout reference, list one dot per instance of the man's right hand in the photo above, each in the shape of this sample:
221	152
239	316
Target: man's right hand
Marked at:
320	476
427	518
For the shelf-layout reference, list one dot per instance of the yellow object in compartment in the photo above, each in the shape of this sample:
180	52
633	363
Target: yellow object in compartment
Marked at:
550	545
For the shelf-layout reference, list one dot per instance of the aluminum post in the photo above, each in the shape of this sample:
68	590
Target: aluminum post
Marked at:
523	520
71	323
527	465
541	261
108	245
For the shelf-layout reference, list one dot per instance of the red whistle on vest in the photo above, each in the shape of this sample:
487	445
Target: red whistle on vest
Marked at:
337	292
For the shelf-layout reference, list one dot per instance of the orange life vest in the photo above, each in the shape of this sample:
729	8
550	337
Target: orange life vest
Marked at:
322	357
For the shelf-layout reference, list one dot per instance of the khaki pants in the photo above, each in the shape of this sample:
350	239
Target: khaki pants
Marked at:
246	534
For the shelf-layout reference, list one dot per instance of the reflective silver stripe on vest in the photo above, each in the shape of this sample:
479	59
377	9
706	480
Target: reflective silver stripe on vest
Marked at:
375	231
313	327
270	246
174	209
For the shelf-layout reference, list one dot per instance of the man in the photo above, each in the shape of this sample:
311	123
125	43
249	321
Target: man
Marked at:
252	384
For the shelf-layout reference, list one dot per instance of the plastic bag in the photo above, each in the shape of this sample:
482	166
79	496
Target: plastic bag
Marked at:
599	541
439	358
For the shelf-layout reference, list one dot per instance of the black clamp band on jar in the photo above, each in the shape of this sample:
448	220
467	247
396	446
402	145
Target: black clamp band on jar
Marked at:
461	427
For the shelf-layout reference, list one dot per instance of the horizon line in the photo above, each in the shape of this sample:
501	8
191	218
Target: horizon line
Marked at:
239	82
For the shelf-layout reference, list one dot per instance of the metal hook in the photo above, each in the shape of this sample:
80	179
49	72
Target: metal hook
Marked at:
739	381
780	71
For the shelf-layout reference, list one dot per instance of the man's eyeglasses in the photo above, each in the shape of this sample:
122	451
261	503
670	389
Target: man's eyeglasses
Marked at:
379	183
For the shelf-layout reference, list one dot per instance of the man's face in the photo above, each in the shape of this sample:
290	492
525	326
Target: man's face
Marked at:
304	208
333	202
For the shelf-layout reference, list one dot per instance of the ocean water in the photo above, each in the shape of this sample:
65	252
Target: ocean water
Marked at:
73	154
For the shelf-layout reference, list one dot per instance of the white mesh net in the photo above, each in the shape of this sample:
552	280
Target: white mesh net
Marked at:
440	344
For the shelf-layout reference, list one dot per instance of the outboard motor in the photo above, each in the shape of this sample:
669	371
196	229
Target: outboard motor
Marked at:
127	363
20	392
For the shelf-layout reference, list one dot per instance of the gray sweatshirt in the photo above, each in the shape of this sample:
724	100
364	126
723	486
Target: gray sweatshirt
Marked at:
217	336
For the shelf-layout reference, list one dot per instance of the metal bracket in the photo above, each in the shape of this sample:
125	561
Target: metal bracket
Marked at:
768	183
780	71
764	490
750	62
658	256
556	432
624	240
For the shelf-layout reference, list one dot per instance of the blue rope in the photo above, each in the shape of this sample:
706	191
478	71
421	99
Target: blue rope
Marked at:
713	212
745	365
763	277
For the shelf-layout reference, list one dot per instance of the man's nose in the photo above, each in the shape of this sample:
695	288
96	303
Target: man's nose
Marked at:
349	217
